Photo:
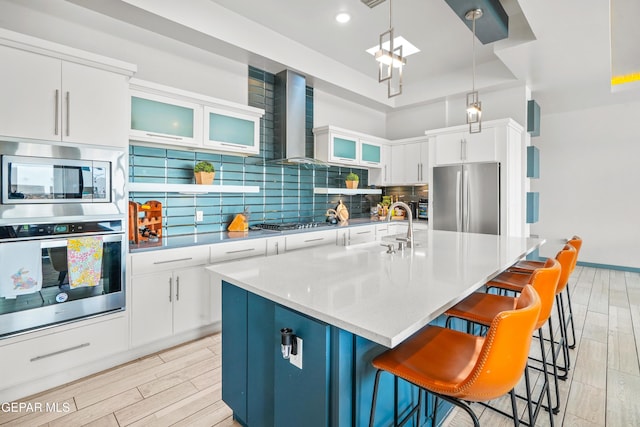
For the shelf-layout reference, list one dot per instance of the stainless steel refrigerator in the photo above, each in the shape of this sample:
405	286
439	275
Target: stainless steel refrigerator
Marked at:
466	198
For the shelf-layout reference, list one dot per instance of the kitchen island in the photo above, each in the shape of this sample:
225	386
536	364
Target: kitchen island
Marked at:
347	304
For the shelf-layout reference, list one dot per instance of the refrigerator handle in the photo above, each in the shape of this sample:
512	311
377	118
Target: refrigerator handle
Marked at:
465	202
458	202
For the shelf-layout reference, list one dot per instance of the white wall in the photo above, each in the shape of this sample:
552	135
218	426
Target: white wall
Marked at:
590	183
410	122
329	109
496	104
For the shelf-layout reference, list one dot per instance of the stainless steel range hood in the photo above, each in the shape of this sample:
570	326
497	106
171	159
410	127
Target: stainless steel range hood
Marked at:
289	121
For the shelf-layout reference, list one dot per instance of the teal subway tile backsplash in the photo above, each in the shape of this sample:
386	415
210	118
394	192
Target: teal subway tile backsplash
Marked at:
286	192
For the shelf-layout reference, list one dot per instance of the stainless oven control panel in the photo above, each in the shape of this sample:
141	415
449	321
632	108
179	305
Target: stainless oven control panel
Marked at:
27	231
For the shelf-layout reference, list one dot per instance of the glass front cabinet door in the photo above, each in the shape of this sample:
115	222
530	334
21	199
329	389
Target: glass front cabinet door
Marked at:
231	131
155	118
370	154
344	149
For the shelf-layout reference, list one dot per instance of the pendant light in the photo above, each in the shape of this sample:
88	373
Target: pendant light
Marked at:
474	106
389	60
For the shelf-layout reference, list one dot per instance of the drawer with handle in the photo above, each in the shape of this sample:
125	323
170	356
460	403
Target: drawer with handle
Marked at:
307	240
221	252
54	353
169	259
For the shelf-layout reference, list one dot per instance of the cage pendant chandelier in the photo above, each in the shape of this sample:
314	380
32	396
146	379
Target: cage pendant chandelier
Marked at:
390	60
474	106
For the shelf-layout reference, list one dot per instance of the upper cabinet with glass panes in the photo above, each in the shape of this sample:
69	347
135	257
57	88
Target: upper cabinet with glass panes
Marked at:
165	115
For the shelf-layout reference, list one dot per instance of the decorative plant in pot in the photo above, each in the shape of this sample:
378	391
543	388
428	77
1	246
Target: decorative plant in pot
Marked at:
352	180
204	173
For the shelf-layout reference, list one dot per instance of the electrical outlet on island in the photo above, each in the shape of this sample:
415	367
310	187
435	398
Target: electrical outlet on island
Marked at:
199	216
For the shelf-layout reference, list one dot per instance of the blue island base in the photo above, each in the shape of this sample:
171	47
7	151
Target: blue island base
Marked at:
334	386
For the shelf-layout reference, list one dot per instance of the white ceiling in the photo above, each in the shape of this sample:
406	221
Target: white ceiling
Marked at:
563	56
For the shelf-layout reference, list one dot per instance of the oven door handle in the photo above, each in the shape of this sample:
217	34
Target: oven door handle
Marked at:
61	243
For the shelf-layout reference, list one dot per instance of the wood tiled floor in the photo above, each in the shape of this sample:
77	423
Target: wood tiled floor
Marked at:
181	386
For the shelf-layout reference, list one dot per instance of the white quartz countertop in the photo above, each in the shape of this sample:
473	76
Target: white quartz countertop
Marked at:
382	297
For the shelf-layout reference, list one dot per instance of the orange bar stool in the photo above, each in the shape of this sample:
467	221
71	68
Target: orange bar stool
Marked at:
481	308
458	367
529	265
514	280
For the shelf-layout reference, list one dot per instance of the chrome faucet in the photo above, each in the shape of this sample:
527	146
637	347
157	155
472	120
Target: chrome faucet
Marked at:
407	209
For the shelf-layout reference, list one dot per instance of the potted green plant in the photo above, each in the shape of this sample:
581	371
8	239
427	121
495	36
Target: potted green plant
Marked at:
204	173
352	180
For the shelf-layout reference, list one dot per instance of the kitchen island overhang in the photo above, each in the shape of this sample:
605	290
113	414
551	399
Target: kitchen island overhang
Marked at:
382	297
347	304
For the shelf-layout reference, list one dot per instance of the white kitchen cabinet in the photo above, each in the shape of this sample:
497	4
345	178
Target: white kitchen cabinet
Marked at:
310	239
464	147
48	98
371	153
381	176
151	307
356	235
170	116
95	105
345	147
170	293
162	119
228	251
191	307
169	302
231	131
410	162
37	355
30	102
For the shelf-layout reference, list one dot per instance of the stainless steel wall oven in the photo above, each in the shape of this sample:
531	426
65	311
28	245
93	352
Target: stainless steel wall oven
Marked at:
38	284
62	234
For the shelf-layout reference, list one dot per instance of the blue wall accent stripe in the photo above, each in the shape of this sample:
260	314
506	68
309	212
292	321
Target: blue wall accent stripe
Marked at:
609	266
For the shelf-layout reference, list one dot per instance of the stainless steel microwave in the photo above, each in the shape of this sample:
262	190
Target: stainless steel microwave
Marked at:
28	180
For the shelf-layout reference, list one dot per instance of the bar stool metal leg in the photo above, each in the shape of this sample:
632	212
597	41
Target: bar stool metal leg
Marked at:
572	345
415	410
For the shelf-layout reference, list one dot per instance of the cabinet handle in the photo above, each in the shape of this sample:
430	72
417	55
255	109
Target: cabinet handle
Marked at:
277	249
242	147
363	232
57	112
314	240
68	111
170	289
178	288
418	165
173	260
157	135
44	356
240	251
344	240
385	173
346	159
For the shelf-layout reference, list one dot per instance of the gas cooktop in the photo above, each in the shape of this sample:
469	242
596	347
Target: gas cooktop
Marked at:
285	226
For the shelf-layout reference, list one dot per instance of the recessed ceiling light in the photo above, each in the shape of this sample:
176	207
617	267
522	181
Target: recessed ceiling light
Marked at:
407	47
343	17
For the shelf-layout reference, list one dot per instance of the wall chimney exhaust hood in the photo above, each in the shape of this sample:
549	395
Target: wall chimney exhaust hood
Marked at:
289	121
